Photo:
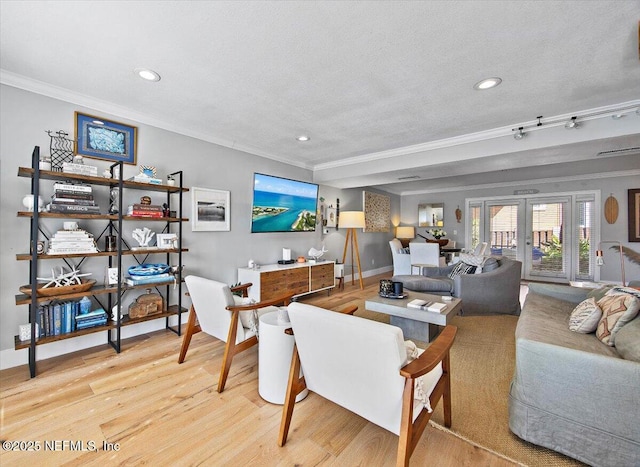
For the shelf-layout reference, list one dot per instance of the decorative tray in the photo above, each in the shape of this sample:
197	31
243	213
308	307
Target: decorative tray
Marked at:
63	290
404	295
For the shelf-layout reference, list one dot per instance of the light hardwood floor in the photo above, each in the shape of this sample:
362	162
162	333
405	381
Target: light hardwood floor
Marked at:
158	412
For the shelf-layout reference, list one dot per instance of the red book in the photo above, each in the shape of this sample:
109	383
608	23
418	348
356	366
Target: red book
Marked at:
136	213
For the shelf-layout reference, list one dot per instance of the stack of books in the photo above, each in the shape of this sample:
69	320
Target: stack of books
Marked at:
57	318
80	169
72	198
144	178
91	319
141	280
436	307
145	210
66	242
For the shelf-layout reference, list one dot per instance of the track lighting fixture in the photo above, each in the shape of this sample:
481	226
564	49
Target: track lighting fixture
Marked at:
519	134
571	123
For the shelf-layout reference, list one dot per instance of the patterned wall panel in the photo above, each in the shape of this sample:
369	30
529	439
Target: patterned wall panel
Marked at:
377	212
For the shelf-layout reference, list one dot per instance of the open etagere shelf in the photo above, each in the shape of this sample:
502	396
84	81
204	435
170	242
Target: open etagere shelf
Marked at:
112	293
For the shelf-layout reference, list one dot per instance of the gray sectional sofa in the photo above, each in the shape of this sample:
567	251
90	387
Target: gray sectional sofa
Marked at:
494	291
570	392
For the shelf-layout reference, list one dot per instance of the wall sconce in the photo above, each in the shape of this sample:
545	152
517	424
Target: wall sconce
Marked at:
600	256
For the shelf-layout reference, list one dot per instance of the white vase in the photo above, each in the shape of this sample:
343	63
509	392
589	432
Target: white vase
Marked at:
28	203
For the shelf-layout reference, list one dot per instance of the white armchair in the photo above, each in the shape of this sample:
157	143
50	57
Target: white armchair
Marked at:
215	311
401	260
365	370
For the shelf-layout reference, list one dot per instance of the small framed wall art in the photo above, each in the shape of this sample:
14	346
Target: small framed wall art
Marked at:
210	210
100	138
634	215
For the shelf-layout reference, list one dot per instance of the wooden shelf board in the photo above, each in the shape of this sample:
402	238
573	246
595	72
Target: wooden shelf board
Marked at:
51	175
27	257
23	299
110	325
108	217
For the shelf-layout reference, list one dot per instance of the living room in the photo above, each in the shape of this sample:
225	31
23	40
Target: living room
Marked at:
343	160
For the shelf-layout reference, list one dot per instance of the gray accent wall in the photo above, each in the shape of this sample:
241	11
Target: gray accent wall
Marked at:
24	118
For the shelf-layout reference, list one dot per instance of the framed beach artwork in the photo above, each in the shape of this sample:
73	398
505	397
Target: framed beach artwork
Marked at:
210	210
100	138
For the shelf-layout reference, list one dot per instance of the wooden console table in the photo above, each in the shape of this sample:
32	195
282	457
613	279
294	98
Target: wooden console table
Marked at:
274	280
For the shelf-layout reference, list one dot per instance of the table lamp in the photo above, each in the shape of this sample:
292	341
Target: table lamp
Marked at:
600	256
352	220
405	234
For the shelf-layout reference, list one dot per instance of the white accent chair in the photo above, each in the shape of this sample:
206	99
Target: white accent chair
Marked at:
425	255
365	370
222	315
401	260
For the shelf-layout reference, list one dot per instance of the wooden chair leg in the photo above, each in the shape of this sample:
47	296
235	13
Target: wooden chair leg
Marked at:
406	425
295	386
229	351
446	396
192	328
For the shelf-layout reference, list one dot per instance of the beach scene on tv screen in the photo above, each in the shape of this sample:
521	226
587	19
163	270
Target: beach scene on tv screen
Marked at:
283	205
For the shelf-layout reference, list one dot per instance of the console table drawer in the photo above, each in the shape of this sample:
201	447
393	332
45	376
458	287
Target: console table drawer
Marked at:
277	283
322	276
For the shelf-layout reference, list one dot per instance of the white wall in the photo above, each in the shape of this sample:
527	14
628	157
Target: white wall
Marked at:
24	118
617	186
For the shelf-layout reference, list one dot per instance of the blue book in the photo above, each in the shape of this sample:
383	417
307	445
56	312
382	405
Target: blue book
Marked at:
57	319
140	280
92	314
92	323
68	307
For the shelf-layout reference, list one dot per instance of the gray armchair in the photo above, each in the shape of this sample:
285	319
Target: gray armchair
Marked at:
492	292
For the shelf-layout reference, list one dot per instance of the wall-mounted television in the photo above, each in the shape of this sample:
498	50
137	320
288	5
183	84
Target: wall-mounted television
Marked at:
283	205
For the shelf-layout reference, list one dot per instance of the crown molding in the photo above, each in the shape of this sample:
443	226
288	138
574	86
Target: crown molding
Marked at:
557	120
518	183
55	92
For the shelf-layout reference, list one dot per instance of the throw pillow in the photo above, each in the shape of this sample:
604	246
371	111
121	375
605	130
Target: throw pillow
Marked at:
600	292
412	351
617	310
460	269
629	290
422	393
585	317
628	341
490	264
474	260
249	319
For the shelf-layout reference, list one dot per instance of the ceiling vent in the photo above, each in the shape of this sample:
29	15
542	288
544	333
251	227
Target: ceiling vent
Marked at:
619	152
410	177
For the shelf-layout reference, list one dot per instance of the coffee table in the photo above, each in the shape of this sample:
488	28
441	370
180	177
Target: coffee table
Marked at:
415	323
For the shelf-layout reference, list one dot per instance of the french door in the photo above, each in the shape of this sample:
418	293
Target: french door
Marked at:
553	236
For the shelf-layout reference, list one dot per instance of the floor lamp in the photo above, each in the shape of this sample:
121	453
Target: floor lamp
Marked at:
352	220
600	256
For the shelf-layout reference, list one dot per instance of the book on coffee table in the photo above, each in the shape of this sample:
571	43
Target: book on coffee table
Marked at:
419	303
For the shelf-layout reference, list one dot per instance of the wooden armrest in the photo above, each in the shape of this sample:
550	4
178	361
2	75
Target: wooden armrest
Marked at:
242	288
284	300
430	358
350	310
289	331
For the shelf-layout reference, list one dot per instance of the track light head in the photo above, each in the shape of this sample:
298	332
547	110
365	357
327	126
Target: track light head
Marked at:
572	124
519	134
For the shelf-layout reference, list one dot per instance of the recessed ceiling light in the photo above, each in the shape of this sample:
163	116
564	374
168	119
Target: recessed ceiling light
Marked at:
617	116
303	138
487	84
147	74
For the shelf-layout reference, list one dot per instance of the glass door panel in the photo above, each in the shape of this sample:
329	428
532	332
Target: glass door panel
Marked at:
547	245
503	229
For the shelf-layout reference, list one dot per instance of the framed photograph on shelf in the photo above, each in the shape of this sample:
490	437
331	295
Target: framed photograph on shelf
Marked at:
100	138
167	241
634	215
210	210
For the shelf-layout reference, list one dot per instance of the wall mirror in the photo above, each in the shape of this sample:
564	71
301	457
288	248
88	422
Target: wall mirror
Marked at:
431	215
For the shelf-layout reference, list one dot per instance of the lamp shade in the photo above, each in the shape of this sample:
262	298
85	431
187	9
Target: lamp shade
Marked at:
405	232
351	220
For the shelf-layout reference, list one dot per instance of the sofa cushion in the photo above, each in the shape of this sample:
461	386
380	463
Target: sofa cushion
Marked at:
462	268
628	341
490	264
562	292
426	284
600	292
617	310
585	317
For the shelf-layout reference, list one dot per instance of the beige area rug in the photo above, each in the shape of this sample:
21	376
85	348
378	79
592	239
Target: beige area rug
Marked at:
482	365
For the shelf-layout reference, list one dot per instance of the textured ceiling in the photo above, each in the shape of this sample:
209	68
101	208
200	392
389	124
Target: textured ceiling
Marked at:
359	78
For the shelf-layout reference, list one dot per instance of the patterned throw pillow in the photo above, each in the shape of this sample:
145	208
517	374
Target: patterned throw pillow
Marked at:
617	310
474	260
460	269
585	317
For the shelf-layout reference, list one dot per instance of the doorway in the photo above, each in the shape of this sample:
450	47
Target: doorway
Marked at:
552	235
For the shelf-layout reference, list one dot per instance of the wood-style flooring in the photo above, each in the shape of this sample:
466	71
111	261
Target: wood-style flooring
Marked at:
96	407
